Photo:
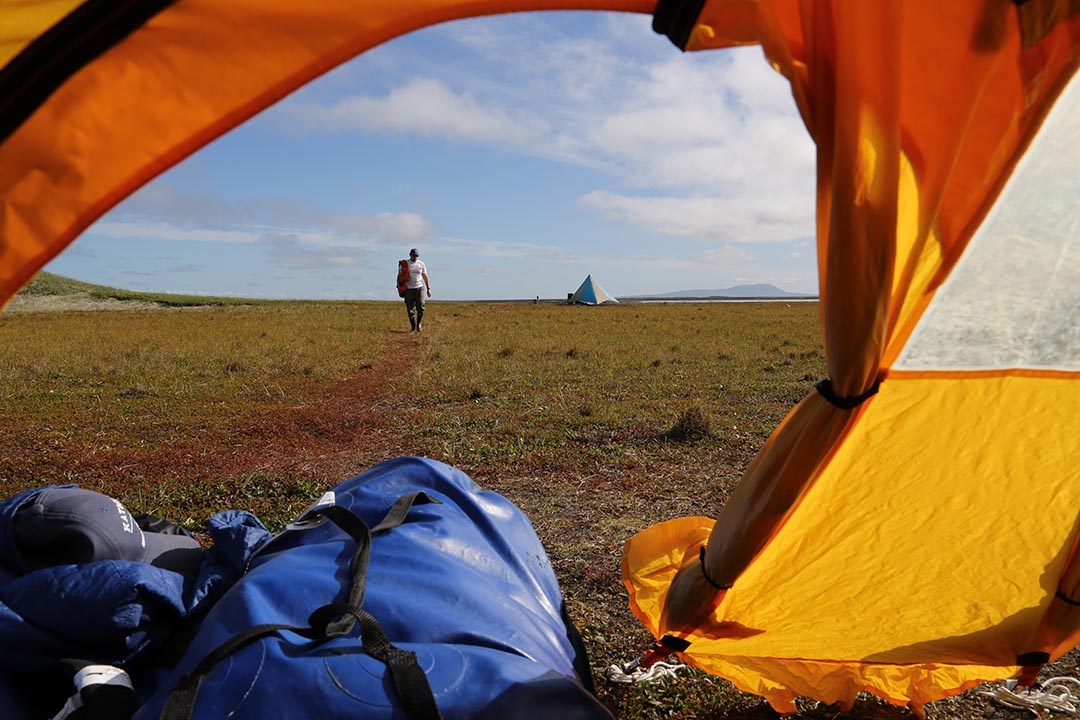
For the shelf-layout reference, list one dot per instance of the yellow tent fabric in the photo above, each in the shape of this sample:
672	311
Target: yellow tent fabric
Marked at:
873	543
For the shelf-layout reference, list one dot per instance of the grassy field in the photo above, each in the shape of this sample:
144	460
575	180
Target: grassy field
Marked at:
597	422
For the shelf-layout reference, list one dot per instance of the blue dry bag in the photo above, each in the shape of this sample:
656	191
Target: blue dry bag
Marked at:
405	592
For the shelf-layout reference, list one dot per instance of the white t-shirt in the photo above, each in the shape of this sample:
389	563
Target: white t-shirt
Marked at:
416	269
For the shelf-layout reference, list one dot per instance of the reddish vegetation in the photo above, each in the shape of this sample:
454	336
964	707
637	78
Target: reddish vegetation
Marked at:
330	436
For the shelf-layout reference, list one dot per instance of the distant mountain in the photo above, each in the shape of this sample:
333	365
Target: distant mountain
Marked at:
739	291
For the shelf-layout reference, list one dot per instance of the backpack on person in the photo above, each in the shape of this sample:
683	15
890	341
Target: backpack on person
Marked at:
402	277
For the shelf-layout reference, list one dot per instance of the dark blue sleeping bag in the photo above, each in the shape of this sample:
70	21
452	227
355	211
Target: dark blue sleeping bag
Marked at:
56	619
458	582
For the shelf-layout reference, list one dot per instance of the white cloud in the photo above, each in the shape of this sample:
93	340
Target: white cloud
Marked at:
205	217
704	150
728	219
166	231
646	115
531	59
161	200
384	226
721	257
347	240
720	122
292	252
507	71
424	106
402	226
506	250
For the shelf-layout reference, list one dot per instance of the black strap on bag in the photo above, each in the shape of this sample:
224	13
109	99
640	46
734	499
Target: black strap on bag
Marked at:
332	621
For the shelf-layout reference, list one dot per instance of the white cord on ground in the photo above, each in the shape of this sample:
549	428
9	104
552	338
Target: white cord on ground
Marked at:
1060	694
633	673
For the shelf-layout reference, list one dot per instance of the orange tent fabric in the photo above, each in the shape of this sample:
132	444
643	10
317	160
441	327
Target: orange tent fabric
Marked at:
872	544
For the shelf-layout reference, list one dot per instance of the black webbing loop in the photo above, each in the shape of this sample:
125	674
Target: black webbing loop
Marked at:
825	390
411	683
674	643
1066	599
1033	658
355	527
398	512
701	562
676	19
334	620
347	521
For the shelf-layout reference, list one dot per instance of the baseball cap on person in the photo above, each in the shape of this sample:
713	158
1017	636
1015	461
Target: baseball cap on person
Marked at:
414	253
68	525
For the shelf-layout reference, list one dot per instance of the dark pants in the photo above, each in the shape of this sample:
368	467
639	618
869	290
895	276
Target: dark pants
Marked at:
414	303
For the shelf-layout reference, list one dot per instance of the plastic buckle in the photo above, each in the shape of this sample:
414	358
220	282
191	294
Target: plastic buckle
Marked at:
312	516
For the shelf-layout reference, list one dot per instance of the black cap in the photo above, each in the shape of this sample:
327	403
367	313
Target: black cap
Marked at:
68	525
414	253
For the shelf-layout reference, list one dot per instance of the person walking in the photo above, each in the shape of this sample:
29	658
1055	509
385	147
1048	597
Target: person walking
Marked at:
414	293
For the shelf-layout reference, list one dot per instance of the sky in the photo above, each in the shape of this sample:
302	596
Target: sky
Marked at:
517	153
